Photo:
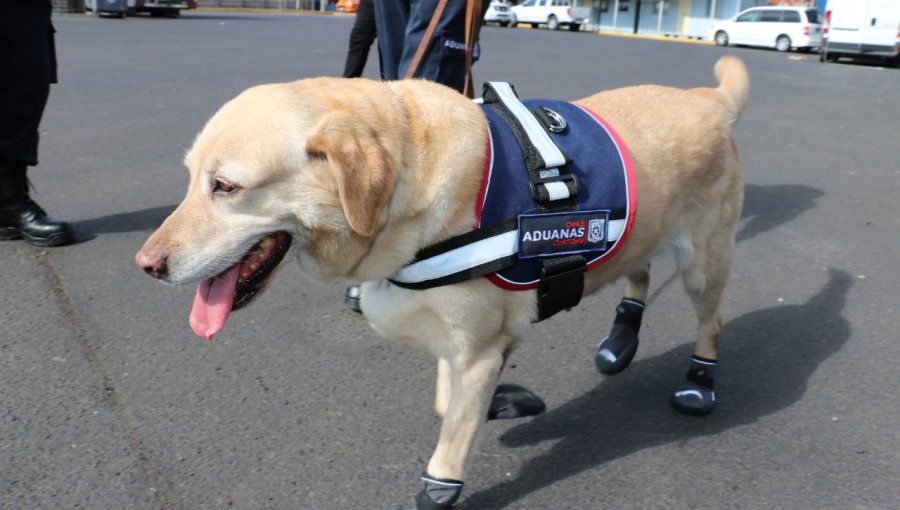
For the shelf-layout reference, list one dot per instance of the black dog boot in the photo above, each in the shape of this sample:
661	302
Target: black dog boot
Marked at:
514	401
351	298
21	217
616	351
438	494
697	397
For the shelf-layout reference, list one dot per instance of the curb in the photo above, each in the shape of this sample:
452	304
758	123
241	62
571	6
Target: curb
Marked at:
672	38
255	10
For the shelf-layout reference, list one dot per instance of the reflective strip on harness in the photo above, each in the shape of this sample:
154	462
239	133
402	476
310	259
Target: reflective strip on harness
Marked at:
557	190
460	259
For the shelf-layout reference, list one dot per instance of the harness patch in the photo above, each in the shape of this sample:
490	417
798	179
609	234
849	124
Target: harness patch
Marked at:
567	233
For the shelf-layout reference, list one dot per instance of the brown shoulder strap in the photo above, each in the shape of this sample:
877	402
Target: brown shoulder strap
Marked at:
426	39
473	25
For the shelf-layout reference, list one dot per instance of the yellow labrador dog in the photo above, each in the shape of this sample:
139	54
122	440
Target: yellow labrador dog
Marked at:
353	177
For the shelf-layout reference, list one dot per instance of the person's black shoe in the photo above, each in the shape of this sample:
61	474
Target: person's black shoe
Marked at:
25	219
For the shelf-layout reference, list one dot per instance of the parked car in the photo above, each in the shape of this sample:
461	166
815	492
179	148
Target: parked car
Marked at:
347	6
498	12
167	8
781	28
861	28
553	13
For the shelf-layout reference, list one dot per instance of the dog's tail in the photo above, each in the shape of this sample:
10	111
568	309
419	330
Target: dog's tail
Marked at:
734	84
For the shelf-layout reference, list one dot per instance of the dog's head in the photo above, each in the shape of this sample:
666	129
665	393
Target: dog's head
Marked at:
282	164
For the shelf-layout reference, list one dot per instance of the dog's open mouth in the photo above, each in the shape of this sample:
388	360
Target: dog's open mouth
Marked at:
236	286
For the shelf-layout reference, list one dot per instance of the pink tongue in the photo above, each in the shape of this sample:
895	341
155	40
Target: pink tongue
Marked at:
213	303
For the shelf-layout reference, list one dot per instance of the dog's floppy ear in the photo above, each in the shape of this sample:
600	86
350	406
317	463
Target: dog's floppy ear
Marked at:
363	169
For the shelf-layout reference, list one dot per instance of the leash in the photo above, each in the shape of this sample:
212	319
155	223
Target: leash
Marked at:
473	25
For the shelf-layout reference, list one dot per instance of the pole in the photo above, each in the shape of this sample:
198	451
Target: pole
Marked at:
637	15
662	7
615	14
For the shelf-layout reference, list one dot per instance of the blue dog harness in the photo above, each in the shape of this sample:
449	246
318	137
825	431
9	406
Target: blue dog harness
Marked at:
558	198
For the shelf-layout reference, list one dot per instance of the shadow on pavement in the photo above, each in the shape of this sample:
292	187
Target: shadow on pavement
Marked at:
145	219
767	358
768	207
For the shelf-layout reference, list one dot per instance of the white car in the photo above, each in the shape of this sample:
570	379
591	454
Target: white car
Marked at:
553	13
499	12
781	28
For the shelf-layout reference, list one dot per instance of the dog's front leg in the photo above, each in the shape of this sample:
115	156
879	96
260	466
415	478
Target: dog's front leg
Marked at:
442	388
471	384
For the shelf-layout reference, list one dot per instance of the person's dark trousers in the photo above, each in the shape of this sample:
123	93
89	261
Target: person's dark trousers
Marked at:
27	68
362	35
401	25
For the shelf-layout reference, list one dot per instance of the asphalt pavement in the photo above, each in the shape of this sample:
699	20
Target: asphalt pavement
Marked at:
108	400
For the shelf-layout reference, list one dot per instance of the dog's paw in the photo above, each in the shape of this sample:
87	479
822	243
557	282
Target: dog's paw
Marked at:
514	401
694	399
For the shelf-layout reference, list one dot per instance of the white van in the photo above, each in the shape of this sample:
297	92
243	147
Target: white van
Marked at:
781	28
861	28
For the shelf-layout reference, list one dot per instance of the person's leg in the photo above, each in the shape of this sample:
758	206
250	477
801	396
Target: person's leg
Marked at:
361	38
28	59
445	61
391	17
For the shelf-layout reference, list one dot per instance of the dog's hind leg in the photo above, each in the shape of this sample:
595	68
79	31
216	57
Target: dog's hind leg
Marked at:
705	272
616	351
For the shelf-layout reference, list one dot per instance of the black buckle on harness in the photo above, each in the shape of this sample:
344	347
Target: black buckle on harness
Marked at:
562	284
541	194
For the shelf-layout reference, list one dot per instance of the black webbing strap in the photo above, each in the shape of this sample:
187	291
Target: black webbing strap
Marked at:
534	162
562	278
562	284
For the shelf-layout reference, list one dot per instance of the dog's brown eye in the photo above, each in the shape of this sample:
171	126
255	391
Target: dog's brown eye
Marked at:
224	187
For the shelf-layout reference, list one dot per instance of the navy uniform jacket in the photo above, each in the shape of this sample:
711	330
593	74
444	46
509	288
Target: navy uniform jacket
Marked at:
27	68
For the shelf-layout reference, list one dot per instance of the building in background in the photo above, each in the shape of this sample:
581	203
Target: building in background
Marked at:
684	18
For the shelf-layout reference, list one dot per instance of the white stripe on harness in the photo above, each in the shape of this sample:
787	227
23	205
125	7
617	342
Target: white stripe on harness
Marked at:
477	253
550	153
557	190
